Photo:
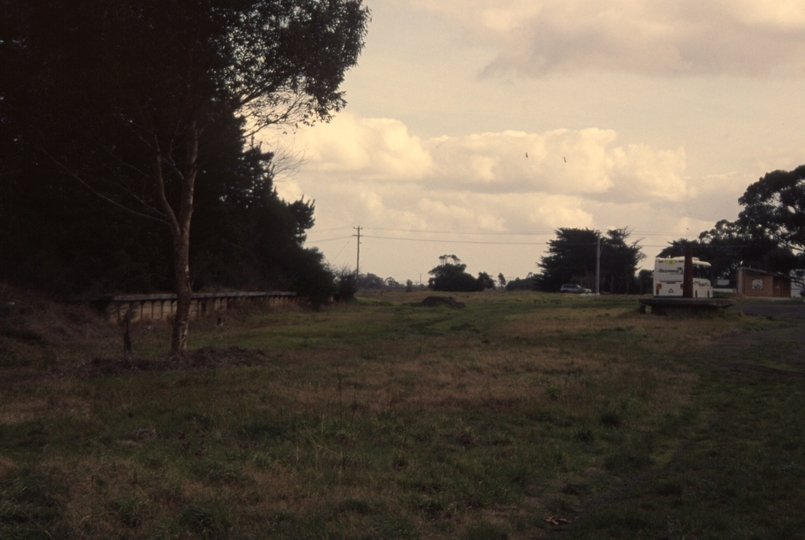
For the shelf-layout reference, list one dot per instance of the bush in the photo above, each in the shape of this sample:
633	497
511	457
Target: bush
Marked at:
346	284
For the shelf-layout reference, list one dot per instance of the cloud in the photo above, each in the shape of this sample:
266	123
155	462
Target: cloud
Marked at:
583	163
409	193
376	148
650	37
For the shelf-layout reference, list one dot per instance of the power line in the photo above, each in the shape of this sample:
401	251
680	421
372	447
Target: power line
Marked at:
504	233
465	233
436	240
342	250
332	229
327	239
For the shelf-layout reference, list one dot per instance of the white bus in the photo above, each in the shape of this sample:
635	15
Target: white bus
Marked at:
669	275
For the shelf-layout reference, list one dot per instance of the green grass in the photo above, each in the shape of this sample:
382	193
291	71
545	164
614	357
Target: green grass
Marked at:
381	419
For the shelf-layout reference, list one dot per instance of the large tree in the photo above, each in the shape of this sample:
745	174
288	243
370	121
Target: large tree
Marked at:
774	209
117	94
572	259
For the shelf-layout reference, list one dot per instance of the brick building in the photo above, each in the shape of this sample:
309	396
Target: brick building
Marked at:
759	283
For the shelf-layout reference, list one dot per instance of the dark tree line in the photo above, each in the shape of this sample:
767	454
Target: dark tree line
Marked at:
572	259
127	99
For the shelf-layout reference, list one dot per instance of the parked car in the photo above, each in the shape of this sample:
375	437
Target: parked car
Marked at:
574	288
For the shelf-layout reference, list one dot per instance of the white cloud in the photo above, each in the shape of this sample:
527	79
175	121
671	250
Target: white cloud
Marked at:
377	148
680	37
580	163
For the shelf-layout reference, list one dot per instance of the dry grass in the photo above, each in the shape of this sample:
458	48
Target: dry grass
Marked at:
372	420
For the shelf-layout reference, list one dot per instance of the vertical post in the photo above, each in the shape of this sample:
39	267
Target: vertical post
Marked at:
687	277
598	267
358	263
127	333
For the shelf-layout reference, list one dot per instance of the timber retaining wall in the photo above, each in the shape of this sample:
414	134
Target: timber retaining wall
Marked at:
154	307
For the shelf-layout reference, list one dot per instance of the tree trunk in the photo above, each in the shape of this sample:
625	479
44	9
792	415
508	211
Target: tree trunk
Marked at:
184	292
180	231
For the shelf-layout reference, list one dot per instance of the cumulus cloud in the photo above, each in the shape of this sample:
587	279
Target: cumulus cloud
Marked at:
654	37
377	148
583	163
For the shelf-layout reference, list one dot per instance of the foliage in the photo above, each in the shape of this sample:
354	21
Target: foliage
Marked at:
117	95
728	247
370	281
769	233
774	208
58	239
486	280
572	259
346	282
529	283
645	281
453	278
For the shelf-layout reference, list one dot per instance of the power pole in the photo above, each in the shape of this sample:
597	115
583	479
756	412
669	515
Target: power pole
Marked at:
598	267
358	263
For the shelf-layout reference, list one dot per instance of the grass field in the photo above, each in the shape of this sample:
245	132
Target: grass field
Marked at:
523	415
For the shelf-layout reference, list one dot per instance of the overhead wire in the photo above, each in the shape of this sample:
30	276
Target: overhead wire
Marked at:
489	242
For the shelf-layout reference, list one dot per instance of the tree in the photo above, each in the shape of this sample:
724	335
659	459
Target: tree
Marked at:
370	281
56	238
774	208
117	94
529	283
572	258
502	279
453	278
727	247
766	235
619	261
443	259
645	281
486	281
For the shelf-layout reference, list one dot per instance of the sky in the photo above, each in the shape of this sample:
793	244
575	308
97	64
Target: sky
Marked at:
479	127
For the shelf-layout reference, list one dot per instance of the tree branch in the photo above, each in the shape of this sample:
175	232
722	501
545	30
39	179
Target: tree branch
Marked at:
100	195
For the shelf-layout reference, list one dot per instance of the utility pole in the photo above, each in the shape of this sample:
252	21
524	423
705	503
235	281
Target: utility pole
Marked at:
598	267
358	263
